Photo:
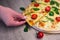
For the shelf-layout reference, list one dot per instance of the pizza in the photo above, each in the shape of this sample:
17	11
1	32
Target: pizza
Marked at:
43	14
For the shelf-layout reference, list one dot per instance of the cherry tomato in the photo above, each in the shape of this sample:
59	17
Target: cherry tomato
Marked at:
36	4
58	19
40	35
47	0
34	16
48	8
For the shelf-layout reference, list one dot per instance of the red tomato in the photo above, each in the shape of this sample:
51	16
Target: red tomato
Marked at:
58	19
47	0
34	16
40	35
47	9
36	4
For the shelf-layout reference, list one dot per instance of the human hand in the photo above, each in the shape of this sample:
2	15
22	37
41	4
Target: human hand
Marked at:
10	17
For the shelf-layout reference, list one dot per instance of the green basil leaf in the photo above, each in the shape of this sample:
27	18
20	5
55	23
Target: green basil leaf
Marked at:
35	9
54	8
22	8
52	2
32	0
51	13
57	4
49	19
57	12
26	29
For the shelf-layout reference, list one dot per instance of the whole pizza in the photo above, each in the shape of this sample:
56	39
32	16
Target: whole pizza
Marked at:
43	14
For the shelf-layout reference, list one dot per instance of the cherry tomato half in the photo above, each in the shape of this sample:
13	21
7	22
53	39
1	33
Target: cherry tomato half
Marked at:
36	4
48	8
58	19
40	35
47	0
34	16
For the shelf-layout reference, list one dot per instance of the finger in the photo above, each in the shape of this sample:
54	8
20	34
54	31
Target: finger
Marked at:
19	15
19	23
18	19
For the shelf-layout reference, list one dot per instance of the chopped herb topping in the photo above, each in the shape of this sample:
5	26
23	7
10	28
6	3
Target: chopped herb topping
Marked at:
26	28
32	0
52	2
57	4
55	9
51	13
57	12
49	19
22	8
35	9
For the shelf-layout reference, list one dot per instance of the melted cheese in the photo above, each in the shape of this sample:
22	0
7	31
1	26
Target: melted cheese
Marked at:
41	16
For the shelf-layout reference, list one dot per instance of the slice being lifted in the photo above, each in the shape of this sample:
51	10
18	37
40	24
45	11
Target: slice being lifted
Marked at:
44	14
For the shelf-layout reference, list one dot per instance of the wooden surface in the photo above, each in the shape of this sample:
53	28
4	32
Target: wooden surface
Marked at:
18	33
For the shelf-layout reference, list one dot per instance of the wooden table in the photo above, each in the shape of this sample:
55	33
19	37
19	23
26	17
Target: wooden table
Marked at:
18	33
